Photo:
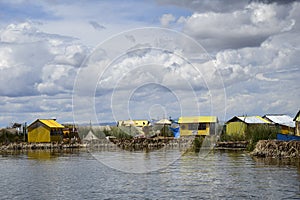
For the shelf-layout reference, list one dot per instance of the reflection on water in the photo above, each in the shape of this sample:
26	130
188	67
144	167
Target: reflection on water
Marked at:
279	162
40	155
49	154
79	175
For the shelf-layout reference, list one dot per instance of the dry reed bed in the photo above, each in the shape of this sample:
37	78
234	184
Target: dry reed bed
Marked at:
277	149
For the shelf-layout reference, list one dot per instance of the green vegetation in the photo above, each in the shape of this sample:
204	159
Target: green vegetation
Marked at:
264	132
235	137
253	135
9	137
118	133
166	132
197	143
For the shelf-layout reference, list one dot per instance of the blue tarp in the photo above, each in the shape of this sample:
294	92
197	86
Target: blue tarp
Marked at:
285	137
176	132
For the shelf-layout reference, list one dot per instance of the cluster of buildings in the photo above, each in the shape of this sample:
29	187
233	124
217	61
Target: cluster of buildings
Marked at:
49	130
237	125
240	124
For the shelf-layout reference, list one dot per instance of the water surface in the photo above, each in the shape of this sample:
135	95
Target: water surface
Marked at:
79	175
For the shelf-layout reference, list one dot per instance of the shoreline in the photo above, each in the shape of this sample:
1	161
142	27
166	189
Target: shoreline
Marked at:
125	144
38	146
263	148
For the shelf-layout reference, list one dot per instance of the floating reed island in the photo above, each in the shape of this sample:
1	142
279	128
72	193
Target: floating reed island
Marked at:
153	143
277	149
232	145
133	144
263	148
38	146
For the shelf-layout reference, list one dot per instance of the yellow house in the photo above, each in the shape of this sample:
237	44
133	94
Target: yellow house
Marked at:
197	125
45	130
284	123
137	123
141	123
239	125
297	123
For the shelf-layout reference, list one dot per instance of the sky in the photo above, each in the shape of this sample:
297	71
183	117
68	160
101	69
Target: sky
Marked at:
103	61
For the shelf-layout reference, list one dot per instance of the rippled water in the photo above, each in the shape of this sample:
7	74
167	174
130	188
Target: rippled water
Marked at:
80	175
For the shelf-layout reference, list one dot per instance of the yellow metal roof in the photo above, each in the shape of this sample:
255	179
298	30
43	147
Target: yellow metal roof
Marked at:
197	119
138	122
51	123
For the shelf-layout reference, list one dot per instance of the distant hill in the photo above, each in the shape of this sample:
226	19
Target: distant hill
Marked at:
94	124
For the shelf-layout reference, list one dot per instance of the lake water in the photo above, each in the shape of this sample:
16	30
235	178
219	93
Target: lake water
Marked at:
102	175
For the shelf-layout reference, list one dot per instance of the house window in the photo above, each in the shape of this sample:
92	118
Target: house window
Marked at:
193	126
202	126
56	132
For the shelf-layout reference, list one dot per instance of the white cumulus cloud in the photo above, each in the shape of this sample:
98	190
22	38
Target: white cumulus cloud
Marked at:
249	26
166	19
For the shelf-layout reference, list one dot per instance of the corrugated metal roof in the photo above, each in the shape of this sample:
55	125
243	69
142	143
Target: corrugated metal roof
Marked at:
253	119
197	119
281	119
51	123
164	121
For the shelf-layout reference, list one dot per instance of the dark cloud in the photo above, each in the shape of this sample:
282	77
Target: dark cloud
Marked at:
206	5
248	27
130	38
234	42
218	5
274	1
96	25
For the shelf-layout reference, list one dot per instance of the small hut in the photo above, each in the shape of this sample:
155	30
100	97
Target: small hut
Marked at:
164	123
297	123
239	125
90	137
45	130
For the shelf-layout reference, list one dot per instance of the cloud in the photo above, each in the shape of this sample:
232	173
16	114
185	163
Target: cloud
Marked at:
138	81
34	62
130	85
130	38
166	19
29	108
97	26
218	6
254	47
246	27
262	79
35	66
